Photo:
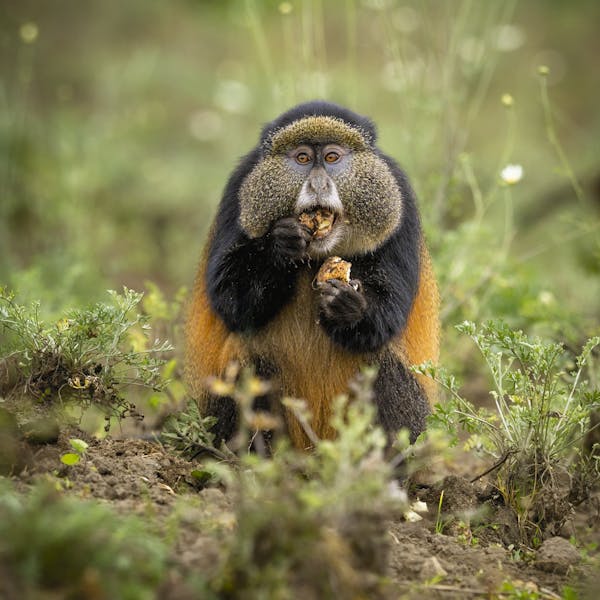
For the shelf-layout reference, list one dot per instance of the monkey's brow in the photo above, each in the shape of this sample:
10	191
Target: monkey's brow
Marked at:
318	130
320	146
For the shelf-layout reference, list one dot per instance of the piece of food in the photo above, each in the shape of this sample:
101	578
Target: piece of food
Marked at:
334	268
319	221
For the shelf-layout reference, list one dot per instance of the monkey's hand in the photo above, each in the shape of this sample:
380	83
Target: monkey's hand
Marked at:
341	303
290	239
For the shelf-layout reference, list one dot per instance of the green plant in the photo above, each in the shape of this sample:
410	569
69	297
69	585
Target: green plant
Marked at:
588	549
72	458
75	549
165	313
313	519
465	534
543	404
520	590
439	520
569	593
189	433
90	357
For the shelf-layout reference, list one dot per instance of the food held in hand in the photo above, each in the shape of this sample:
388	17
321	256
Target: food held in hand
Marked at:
334	268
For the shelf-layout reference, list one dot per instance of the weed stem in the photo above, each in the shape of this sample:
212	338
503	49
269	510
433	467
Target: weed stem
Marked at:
553	139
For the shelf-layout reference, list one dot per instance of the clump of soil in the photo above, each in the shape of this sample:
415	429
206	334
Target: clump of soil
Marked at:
475	553
557	555
116	469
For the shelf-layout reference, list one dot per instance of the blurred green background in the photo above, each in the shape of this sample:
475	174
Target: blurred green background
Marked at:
120	121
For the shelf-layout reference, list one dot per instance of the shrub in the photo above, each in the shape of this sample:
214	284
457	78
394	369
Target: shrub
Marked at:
74	548
307	523
88	358
543	405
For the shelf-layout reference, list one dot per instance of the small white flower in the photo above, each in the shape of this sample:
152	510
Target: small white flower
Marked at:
507	100
512	174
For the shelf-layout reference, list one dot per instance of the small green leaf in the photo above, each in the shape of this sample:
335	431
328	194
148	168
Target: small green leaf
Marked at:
169	369
78	445
569	593
202	476
69	458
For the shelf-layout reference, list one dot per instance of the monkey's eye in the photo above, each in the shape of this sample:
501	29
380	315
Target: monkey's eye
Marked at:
303	158
332	156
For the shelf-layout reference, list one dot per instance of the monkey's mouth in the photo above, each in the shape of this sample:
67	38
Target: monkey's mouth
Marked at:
320	221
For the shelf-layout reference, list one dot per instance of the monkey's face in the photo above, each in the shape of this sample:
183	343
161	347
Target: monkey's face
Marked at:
323	162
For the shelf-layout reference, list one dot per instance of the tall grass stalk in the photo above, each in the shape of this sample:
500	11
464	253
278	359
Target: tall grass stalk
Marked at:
260	39
553	137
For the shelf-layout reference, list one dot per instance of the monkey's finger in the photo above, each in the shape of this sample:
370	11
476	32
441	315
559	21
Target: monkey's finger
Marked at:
327	290
291	225
341	285
343	314
335	284
348	300
286	236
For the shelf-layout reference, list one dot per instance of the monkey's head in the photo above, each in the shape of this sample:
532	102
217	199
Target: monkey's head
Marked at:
319	155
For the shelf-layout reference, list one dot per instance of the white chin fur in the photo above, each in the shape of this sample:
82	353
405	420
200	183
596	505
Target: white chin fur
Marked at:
328	245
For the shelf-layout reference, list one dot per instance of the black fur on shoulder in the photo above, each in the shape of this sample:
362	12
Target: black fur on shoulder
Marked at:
390	279
320	108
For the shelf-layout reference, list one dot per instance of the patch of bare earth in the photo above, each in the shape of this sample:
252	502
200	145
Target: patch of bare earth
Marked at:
143	478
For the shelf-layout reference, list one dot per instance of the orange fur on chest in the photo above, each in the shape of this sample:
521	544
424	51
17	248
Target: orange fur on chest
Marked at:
308	364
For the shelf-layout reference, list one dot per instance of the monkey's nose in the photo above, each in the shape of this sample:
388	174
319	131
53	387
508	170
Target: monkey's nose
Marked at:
318	181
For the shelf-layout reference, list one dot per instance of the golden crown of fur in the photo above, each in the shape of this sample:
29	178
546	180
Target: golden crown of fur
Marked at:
317	130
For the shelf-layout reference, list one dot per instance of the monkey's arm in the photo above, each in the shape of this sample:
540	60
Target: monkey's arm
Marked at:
366	319
250	279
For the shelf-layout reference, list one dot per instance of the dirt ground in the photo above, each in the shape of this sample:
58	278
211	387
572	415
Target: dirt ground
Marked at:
142	477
